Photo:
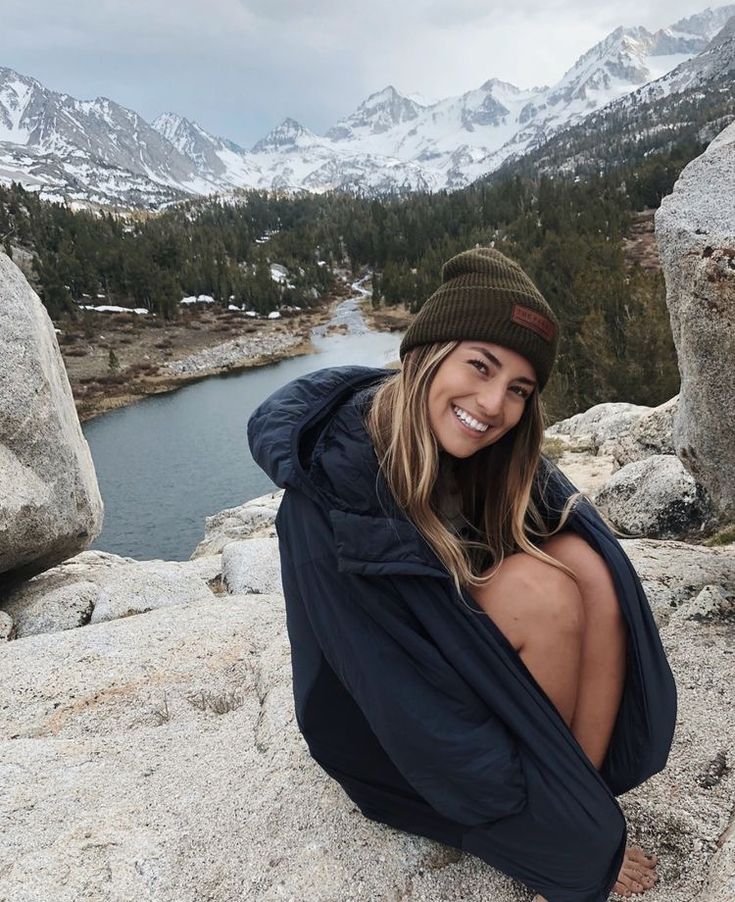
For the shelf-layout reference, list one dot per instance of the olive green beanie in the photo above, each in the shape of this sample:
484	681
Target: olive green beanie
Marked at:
488	297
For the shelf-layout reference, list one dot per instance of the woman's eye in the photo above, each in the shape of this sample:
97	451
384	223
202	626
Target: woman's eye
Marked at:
520	391
479	365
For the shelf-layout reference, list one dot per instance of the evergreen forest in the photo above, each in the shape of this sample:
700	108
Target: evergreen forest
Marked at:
568	233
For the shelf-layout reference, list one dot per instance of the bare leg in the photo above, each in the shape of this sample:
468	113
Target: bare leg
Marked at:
573	640
602	667
539	609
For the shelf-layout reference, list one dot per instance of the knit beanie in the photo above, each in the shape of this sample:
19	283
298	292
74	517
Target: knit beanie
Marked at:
488	297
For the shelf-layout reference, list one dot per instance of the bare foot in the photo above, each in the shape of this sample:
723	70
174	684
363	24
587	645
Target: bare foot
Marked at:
637	873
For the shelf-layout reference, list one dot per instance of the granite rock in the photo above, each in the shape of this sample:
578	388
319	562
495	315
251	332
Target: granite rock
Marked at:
695	231
96	586
254	518
251	567
157	757
50	505
655	497
652	434
597	430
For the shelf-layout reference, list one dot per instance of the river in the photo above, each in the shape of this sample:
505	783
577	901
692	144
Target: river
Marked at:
169	461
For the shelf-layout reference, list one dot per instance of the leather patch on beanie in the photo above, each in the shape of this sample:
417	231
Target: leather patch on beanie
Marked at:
533	320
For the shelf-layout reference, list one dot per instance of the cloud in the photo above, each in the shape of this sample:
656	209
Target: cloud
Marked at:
240	66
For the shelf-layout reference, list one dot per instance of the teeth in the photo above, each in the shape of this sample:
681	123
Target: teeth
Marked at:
468	420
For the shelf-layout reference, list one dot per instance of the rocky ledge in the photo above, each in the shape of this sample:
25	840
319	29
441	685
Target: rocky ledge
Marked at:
149	749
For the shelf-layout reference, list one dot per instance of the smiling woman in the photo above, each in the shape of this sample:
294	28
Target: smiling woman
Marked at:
474	659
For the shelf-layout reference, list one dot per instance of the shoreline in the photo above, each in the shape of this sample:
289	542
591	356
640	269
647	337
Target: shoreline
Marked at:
150	386
195	357
96	391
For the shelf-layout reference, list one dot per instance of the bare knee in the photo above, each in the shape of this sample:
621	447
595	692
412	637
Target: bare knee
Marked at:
527	597
592	574
558	601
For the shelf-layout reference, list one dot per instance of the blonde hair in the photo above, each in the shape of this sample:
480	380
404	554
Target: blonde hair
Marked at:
495	484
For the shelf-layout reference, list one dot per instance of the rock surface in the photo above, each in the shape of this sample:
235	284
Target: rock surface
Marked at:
254	518
50	505
652	434
596	430
156	757
251	567
675	573
695	230
96	586
655	497
7	626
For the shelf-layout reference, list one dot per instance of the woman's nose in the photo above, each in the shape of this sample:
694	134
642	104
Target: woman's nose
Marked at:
490	400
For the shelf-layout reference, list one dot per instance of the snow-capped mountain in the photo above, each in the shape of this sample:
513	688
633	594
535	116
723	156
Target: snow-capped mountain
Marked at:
289	136
96	148
220	162
100	151
715	62
692	103
380	113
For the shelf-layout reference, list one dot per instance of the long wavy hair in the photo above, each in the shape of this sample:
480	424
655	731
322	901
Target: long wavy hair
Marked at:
495	484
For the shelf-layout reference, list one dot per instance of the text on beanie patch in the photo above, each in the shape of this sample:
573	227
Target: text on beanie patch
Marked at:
533	320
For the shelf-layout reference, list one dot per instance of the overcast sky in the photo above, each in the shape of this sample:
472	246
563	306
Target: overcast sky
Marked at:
239	67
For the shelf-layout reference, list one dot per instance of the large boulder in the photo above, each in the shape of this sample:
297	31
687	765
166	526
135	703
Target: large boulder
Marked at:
597	430
655	497
253	518
695	230
252	566
50	505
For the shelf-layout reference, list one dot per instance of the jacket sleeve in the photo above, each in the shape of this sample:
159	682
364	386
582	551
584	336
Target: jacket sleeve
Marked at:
454	751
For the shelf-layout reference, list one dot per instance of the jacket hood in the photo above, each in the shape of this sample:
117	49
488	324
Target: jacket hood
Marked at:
297	425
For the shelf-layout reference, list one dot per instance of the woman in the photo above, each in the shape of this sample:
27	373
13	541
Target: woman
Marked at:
474	659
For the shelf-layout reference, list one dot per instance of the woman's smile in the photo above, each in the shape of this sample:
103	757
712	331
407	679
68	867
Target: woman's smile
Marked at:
468	421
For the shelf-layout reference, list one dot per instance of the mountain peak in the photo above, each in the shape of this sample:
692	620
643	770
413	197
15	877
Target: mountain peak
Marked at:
497	85
289	134
727	31
177	128
379	113
705	24
388	94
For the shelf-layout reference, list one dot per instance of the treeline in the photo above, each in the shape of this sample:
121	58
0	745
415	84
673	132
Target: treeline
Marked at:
567	233
208	247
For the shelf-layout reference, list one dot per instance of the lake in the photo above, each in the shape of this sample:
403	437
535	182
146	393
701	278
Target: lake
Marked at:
169	461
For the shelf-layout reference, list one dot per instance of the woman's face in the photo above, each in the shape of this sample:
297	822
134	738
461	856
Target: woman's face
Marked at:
478	394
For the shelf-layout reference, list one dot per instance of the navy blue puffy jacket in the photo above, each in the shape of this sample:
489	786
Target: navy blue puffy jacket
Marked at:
409	695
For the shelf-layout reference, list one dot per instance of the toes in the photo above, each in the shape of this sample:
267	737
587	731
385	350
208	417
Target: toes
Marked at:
630	884
635	853
637	872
